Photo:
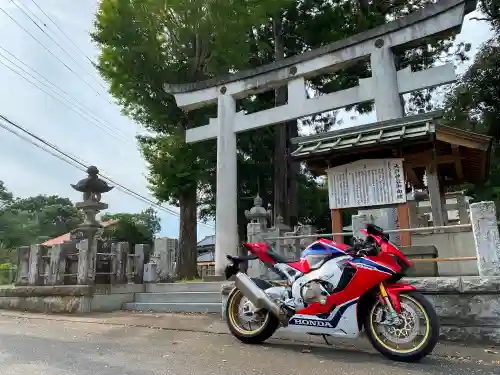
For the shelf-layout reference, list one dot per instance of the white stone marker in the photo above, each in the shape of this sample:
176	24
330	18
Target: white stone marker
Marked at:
485	230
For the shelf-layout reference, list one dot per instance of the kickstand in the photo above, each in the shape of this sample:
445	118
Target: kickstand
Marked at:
324	338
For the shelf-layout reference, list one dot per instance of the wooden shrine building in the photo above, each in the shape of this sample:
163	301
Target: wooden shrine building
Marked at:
446	156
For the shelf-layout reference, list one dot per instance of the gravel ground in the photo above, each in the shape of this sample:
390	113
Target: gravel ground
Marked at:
32	345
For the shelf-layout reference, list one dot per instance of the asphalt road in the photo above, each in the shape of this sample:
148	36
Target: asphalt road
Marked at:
45	347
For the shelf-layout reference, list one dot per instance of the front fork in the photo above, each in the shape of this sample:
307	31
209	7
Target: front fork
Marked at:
393	317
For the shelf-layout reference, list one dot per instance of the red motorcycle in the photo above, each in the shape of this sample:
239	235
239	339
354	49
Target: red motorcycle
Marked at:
335	290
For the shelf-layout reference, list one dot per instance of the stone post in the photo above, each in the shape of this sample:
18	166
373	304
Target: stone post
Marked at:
23	266
164	253
226	216
129	263
486	238
56	254
36	265
254	233
118	265
359	222
462	209
258	217
140	252
83	261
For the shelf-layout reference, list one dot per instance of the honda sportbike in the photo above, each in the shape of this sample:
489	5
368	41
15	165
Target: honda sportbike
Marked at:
334	290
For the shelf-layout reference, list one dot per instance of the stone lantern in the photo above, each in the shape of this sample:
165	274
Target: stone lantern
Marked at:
258	214
92	188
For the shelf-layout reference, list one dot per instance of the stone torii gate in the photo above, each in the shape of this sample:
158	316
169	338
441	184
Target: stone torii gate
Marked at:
385	87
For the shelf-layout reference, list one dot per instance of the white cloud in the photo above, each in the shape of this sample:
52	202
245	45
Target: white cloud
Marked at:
26	170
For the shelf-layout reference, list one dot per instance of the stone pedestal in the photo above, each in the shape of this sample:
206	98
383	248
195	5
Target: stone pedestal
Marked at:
486	238
164	254
358	223
150	273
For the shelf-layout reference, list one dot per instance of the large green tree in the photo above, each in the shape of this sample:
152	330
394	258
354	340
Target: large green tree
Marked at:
146	43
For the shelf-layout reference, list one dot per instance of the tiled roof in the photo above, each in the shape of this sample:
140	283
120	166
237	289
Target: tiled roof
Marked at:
207	241
414	127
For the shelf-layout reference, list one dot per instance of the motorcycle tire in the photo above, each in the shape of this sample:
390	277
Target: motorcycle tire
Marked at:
425	347
248	336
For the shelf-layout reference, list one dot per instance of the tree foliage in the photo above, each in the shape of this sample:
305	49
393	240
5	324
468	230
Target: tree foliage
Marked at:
474	105
135	229
25	221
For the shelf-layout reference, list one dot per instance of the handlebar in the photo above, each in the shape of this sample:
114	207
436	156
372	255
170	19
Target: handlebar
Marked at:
361	248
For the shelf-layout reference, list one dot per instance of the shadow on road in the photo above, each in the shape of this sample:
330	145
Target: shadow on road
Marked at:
431	364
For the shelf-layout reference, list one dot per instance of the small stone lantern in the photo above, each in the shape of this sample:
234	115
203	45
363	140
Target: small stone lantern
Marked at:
258	214
92	188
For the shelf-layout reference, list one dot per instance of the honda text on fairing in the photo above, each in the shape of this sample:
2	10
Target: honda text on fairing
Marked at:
335	290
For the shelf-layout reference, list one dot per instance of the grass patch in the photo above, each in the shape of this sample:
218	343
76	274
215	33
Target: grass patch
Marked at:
189	281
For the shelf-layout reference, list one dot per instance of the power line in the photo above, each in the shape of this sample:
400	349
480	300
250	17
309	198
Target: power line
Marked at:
51	38
51	53
62	31
60	101
79	163
86	110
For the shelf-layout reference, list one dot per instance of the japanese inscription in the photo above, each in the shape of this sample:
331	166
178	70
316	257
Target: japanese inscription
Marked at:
365	183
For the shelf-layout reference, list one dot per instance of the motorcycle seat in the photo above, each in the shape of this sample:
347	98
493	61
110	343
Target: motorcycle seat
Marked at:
239	259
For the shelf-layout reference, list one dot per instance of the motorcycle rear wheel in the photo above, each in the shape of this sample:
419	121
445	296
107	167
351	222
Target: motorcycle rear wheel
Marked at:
248	335
417	349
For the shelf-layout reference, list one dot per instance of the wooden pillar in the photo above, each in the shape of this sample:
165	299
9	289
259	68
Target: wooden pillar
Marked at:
404	223
435	196
337	226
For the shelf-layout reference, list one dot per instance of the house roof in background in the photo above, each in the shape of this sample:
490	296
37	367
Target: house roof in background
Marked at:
207	241
206	257
67	236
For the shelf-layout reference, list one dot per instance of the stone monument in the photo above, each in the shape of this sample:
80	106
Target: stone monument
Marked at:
92	188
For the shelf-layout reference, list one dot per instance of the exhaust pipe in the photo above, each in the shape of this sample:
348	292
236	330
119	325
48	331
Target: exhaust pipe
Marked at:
258	297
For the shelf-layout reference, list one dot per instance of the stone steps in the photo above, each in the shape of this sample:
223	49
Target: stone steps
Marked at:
184	287
203	297
179	297
174	307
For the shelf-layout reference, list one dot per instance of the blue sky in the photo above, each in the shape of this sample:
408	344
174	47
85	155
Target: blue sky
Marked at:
27	170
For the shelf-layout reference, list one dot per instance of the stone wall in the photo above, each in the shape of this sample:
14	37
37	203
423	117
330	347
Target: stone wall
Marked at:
468	306
68	299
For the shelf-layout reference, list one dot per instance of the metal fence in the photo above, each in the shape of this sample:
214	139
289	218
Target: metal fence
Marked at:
426	230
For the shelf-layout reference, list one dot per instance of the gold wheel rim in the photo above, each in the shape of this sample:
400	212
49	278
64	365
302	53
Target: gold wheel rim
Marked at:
403	351
234	320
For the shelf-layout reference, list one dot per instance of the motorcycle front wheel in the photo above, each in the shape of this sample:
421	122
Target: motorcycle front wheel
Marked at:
246	325
415	335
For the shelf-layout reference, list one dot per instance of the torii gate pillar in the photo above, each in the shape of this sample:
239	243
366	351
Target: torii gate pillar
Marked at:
226	220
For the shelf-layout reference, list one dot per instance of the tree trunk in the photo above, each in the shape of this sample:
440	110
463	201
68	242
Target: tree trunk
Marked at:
187	257
285	170
293	172
280	148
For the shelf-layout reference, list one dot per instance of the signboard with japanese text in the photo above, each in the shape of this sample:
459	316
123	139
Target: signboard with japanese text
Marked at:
365	183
